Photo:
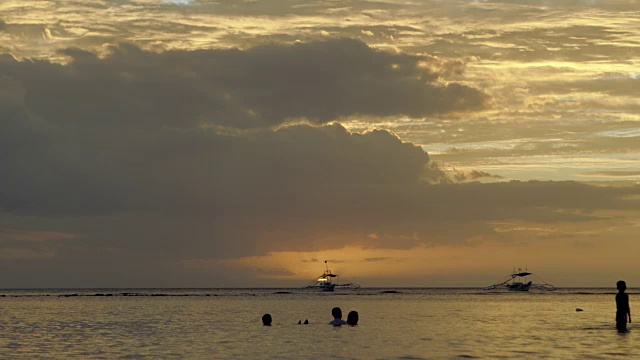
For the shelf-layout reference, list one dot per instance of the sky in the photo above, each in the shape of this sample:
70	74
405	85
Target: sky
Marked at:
199	143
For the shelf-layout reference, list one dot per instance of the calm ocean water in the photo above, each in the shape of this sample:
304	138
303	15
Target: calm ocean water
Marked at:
225	324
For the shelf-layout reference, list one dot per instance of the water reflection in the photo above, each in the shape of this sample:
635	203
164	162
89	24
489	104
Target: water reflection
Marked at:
414	323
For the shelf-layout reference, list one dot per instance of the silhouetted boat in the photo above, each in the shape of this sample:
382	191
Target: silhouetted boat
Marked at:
517	281
325	281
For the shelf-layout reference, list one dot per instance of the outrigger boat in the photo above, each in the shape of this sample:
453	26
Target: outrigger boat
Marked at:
517	281
325	281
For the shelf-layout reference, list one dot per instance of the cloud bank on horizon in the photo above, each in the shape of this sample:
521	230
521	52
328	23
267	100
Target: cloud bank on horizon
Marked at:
164	143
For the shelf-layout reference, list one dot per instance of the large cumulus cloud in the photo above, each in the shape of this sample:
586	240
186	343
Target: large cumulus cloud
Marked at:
137	161
105	123
262	86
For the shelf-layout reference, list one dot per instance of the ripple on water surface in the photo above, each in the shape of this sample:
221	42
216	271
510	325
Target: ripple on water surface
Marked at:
225	323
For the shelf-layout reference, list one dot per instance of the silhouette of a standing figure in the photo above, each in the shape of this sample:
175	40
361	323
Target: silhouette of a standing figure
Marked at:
623	312
352	318
266	319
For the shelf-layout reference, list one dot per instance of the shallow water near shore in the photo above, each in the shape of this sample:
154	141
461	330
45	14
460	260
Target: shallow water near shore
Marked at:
394	324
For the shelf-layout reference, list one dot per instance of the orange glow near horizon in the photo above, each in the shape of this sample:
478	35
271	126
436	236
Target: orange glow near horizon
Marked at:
560	261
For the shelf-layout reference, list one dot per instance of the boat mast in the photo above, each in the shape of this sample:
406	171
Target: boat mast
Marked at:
327	272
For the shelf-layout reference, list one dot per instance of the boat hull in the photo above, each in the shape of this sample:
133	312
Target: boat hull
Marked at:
518	286
323	287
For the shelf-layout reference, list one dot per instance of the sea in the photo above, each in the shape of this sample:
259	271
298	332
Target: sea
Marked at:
394	323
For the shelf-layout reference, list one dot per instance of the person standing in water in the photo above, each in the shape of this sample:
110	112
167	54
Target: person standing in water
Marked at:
336	312
623	312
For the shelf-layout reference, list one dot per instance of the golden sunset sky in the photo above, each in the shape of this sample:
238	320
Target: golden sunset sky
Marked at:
198	143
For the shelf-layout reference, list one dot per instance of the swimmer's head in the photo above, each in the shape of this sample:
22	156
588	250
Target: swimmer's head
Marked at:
336	312
266	319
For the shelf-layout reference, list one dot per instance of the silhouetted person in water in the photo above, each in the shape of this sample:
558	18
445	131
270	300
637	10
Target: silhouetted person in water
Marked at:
337	317
623	312
266	320
352	318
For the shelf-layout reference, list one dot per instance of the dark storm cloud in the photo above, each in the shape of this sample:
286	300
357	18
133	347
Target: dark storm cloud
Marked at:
299	188
101	136
212	196
167	194
262	86
42	162
128	155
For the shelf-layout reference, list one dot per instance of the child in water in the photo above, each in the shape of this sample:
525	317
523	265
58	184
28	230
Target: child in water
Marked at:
623	312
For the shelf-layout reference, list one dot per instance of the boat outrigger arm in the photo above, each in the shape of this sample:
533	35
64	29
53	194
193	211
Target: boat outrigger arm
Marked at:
517	281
